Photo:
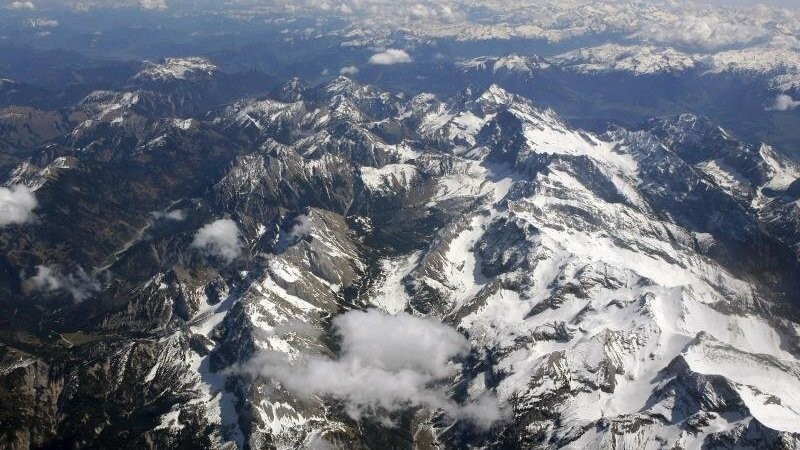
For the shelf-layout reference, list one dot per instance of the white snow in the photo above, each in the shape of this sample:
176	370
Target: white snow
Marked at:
462	271
391	296
389	178
636	59
783	172
725	177
218	402
759	381
782	63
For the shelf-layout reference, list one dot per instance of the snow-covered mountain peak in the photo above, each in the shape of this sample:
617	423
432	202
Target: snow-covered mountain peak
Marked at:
495	96
782	64
518	63
636	59
109	105
512	63
343	85
779	64
292	90
688	127
189	68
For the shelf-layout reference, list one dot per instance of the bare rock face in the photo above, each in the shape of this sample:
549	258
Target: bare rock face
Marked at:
29	384
636	289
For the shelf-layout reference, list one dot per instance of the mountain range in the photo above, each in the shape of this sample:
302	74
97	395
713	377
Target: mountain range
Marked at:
193	258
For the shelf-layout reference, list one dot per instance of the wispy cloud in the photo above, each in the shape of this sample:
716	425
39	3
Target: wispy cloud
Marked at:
78	284
301	227
175	215
783	102
41	22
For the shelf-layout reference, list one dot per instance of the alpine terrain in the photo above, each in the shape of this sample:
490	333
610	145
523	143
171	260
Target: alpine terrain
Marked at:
425	253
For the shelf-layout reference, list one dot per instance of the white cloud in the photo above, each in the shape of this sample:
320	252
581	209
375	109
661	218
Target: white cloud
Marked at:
79	284
408	342
219	238
386	364
158	5
19	6
784	102
16	205
390	56
706	32
421	11
348	70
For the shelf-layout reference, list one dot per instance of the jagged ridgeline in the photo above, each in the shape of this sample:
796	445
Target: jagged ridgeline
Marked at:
187	269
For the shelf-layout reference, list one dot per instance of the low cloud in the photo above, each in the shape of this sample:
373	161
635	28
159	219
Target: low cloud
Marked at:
301	227
219	239
16	205
78	284
20	6
386	364
348	70
389	57
784	102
